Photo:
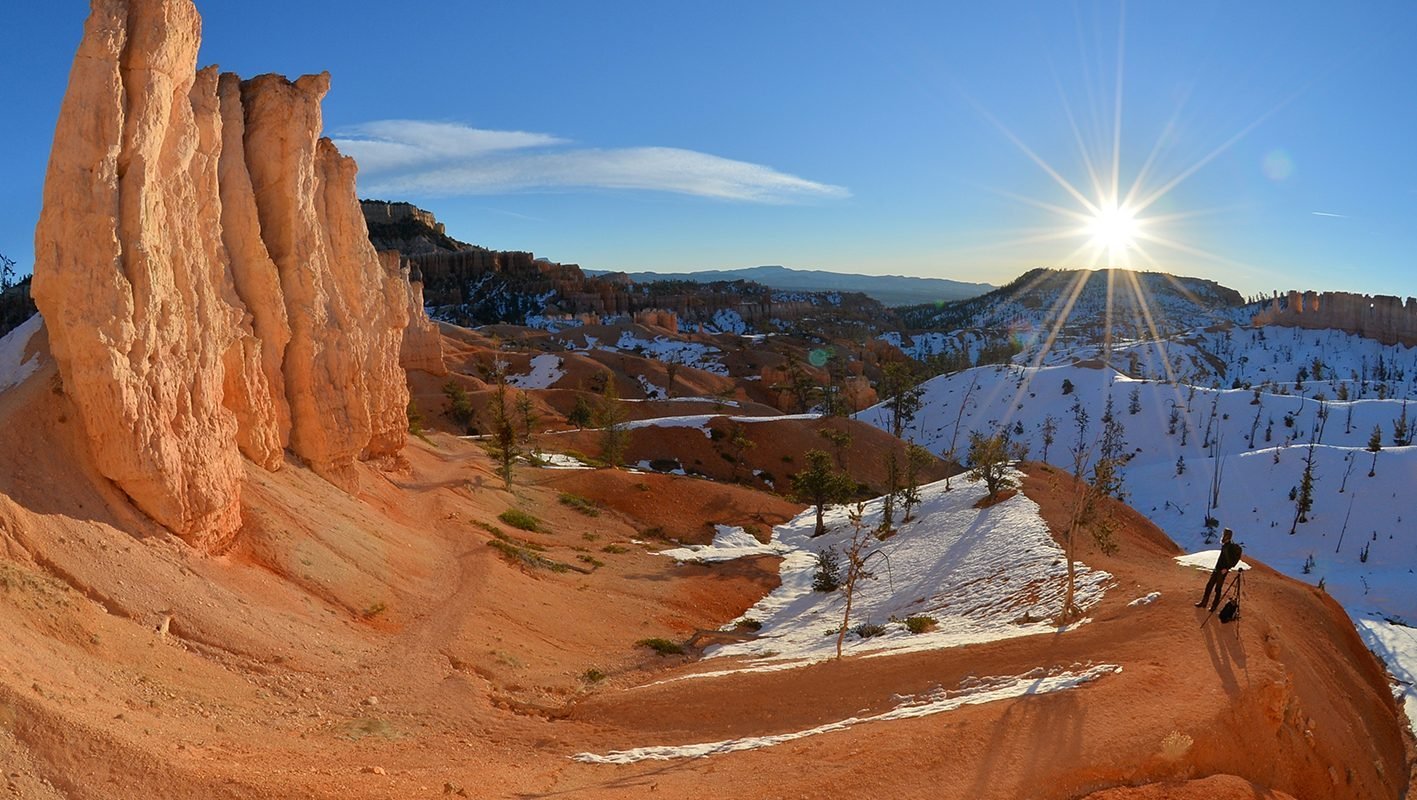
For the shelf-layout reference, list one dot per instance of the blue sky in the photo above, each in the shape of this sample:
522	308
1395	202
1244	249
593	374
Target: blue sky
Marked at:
900	138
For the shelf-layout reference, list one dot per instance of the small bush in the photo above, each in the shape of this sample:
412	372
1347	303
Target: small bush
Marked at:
1174	745
520	519
592	675
594	562
526	557
662	646
580	504
374	610
868	629
827	578
615	549
920	623
748	625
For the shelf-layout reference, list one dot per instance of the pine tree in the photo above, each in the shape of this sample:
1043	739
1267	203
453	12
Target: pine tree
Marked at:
819	485
582	414
503	444
459	404
610	416
526	410
989	458
901	392
1304	498
1375	444
916	459
1401	430
1050	429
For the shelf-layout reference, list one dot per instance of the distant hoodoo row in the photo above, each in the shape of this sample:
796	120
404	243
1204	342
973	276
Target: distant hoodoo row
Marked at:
1383	317
206	277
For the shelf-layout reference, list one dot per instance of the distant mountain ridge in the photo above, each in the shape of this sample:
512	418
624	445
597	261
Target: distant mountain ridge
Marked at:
1133	301
890	290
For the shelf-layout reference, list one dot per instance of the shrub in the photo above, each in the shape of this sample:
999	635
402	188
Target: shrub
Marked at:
920	623
748	625
592	675
662	646
868	629
1174	745
525	556
827	578
520	519
615	549
580	504
594	562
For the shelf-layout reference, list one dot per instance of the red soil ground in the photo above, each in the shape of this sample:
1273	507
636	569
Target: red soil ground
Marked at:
376	646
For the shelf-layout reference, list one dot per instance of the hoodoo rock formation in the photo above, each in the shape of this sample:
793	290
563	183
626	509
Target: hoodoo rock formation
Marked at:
422	341
1383	317
206	276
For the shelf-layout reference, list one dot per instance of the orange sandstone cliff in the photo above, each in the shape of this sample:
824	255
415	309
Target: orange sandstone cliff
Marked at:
206	277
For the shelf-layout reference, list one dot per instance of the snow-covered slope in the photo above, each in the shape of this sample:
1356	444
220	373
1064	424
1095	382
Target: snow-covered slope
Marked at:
1239	454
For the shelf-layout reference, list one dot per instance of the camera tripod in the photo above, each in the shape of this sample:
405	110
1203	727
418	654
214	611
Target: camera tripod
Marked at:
1230	592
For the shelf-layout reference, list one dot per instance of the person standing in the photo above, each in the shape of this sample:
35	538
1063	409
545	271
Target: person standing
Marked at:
1229	557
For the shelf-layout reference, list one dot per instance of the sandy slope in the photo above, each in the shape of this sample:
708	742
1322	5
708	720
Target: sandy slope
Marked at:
376	646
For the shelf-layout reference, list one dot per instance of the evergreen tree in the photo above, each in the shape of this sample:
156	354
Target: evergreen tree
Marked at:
610	416
526	411
459	404
582	414
1050	430
1375	444
503	444
900	391
819	485
917	458
1111	454
1401	430
989	458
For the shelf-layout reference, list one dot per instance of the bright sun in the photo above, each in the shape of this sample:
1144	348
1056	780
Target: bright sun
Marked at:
1113	229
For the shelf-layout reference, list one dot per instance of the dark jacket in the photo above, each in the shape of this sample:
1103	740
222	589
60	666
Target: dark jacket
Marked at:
1229	556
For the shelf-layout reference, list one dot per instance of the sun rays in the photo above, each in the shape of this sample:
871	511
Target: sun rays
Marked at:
1117	216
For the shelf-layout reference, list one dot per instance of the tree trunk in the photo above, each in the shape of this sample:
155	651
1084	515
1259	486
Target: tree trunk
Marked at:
821	526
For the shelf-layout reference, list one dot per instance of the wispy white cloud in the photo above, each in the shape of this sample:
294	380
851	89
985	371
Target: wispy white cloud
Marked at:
402	144
1328	214
435	158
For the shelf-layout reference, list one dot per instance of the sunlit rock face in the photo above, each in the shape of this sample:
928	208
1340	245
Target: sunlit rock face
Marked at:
206	277
422	342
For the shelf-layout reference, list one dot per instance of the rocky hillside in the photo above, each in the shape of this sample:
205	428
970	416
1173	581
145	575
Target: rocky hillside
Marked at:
1082	300
469	285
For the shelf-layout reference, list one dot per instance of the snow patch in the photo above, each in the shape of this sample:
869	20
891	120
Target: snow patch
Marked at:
729	542
14	367
981	574
1396	645
561	461
545	372
1205	560
970	692
1147	600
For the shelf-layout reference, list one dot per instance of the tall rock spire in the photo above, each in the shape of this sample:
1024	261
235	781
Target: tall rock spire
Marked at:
206	276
